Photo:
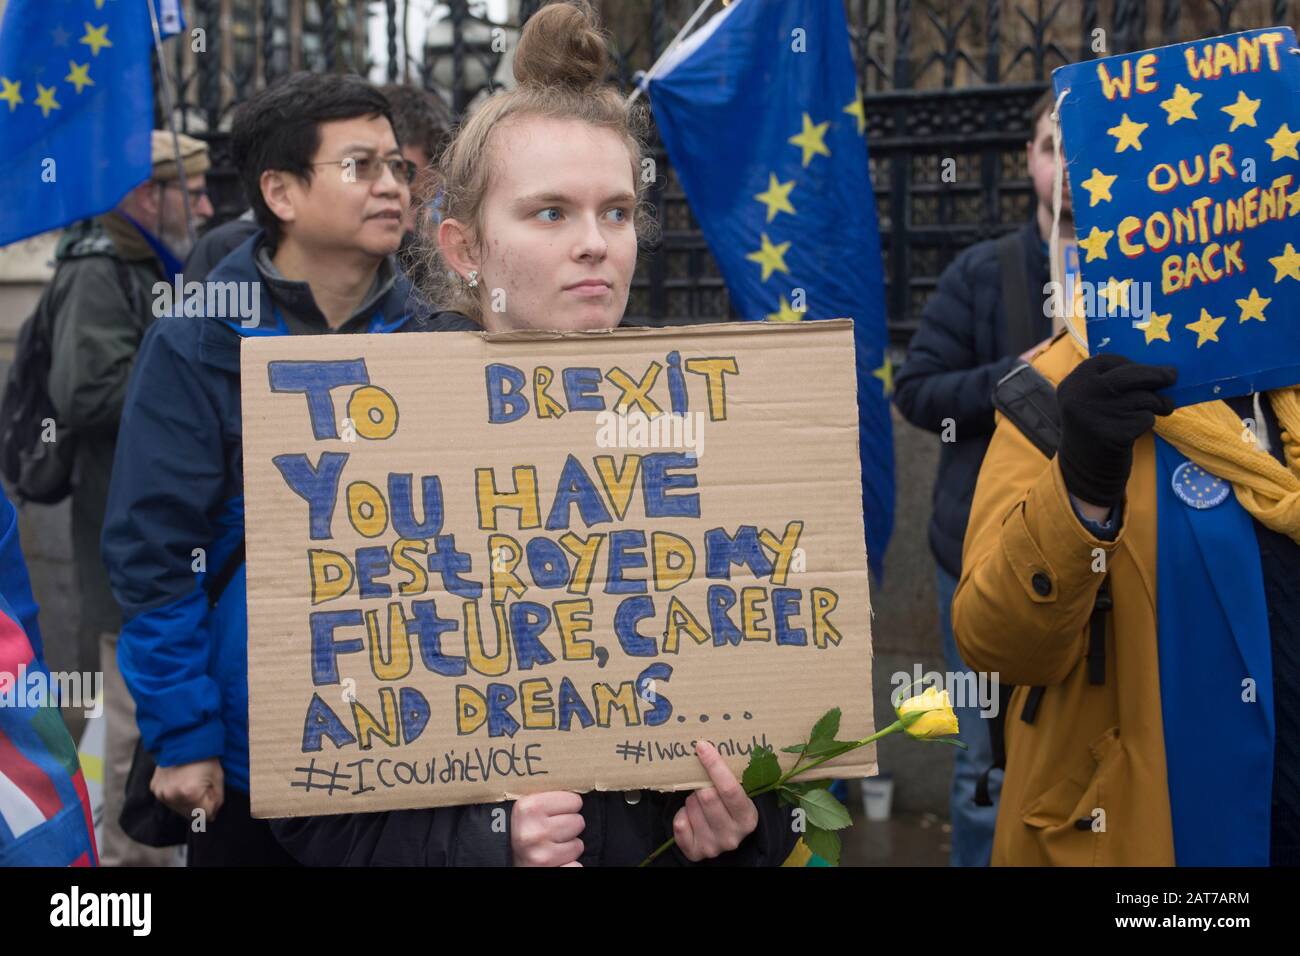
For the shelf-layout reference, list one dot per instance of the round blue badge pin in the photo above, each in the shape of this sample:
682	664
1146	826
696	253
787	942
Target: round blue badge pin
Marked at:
1198	488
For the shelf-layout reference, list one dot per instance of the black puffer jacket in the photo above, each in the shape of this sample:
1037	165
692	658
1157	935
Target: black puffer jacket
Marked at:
954	360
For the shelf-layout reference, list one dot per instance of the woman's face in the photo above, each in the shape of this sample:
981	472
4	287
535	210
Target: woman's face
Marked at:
558	245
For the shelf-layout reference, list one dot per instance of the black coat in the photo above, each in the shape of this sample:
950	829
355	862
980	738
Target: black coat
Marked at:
214	245
954	360
617	834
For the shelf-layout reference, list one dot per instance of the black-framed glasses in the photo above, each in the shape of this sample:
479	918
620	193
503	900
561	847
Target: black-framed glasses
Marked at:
196	195
367	169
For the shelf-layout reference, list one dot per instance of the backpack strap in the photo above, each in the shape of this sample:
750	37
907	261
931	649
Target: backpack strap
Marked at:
1015	293
1097	634
1028	401
216	585
87	238
1029	713
997	745
134	298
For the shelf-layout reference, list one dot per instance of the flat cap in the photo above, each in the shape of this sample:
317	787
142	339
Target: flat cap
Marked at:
194	155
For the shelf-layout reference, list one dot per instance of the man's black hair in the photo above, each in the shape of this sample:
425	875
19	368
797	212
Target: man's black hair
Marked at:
420	118
1044	104
279	128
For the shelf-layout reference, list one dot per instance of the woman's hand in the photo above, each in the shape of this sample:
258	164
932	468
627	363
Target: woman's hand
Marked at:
715	819
544	829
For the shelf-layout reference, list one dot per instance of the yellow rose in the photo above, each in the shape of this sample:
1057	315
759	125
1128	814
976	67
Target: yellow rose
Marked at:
937	720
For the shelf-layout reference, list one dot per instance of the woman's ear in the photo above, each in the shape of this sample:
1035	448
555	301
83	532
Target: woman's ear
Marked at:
275	193
454	243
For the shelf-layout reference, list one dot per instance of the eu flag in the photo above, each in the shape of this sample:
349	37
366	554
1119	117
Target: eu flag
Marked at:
760	113
76	109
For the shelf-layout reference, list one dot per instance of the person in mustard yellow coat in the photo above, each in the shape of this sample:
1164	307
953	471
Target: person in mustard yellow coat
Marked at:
1163	722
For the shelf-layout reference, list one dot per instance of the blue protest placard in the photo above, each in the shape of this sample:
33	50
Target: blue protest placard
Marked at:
1184	168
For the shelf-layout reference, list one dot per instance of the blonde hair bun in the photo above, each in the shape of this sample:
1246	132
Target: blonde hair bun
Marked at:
562	45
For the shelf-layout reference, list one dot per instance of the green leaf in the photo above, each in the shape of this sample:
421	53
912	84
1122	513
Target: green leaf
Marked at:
799	789
796	749
820	748
944	740
824	811
763	770
826	728
825	843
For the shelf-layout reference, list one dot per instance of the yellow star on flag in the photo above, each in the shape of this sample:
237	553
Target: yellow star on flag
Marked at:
1287	264
10	94
858	112
1095	244
886	375
810	139
776	197
1179	106
785	313
1253	307
1283	143
1115	292
770	257
1156	327
79	75
45	99
1127	133
1206	327
1098	186
96	37
1242	111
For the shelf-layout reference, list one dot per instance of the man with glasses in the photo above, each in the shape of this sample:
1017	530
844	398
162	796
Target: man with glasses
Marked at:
101	303
329	189
423	125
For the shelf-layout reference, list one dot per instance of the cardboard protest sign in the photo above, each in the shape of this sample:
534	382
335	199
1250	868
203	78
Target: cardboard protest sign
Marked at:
1184	171
485	566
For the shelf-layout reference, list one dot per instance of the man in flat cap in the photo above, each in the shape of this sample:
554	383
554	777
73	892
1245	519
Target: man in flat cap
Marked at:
101	299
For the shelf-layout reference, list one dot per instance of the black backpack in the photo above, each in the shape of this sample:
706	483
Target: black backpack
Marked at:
37	454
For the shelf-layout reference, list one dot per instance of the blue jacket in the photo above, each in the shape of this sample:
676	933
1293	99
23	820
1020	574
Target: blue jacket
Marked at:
176	510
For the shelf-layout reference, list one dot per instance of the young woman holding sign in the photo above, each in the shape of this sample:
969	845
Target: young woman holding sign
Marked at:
542	211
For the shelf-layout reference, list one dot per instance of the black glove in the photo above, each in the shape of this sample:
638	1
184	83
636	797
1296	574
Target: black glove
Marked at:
1107	403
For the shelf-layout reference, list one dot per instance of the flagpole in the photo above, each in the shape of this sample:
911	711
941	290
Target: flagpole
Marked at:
166	92
676	42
